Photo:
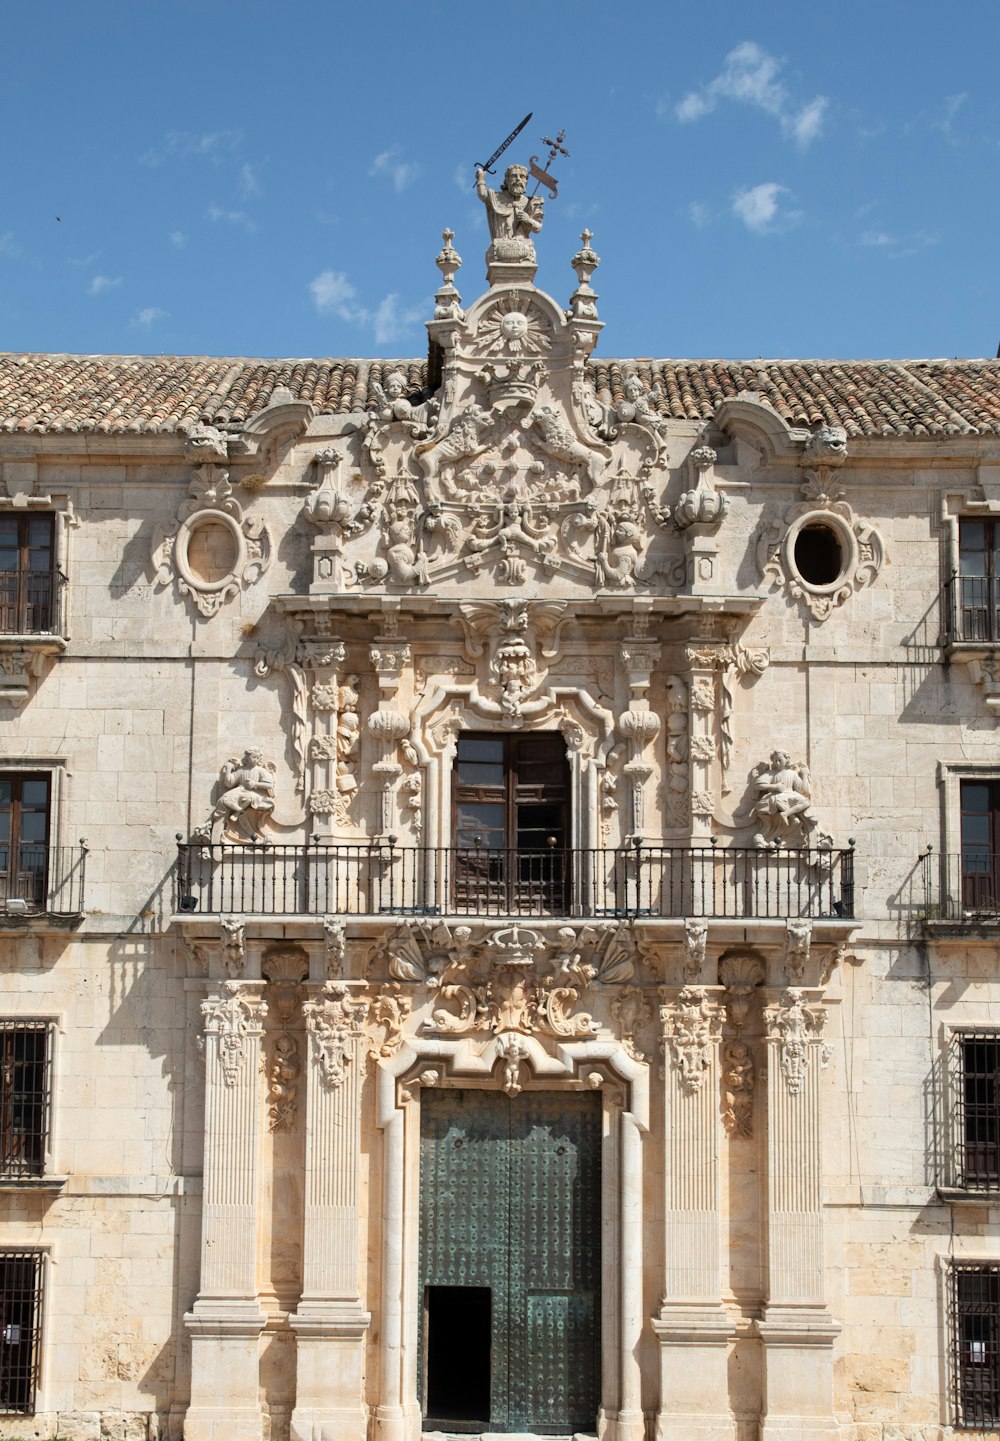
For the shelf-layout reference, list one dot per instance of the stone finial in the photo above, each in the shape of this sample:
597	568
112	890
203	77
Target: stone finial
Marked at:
703	505
447	301
583	302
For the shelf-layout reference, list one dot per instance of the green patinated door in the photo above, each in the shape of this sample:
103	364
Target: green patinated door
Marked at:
510	1258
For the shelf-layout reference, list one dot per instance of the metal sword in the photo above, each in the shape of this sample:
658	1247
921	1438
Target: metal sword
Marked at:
497	153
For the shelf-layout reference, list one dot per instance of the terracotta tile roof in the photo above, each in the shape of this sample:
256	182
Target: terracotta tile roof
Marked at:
133	394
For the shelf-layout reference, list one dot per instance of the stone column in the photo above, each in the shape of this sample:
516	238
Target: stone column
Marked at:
389	656
639	724
330	1323
797	1329
226	1320
692	1325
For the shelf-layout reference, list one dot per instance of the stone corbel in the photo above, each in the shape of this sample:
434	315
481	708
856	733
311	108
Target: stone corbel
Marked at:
24	660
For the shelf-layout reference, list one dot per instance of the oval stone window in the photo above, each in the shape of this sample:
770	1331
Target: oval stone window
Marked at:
212	552
819	558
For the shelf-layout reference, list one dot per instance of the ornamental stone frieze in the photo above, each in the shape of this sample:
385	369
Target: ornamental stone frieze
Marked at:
214	550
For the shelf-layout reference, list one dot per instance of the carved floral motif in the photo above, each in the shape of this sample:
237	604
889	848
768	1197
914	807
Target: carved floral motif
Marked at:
334	1021
232	1018
738	1081
795	1028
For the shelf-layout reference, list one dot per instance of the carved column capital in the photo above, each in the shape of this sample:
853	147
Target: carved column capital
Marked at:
692	1025
334	1022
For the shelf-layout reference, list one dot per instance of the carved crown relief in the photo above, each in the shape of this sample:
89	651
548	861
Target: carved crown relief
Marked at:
214	550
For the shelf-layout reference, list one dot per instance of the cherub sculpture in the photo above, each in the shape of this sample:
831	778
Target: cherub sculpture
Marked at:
246	800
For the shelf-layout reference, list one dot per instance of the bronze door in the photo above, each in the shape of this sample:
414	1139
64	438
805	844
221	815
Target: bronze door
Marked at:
510	1261
511	824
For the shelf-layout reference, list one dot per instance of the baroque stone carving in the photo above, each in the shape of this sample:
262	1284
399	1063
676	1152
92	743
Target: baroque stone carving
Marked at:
513	1053
233	945
631	1011
692	1025
703	505
245	802
233	1017
695	940
796	1028
214	549
738	1081
512	215
782	801
798	936
390	1010
334	946
741	974
333	1021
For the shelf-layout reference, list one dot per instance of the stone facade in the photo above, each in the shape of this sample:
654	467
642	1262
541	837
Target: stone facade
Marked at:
276	617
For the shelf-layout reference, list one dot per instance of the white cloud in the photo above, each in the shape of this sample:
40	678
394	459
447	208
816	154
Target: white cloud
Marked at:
249	184
100	283
463	179
392	323
178	239
84	261
401	172
148	316
750	76
181	144
699	214
897	247
952	106
333	293
9	248
232	217
760	208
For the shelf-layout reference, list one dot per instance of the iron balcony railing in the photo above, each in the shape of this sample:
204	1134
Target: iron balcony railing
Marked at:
42	880
964	887
28	601
381	878
972	608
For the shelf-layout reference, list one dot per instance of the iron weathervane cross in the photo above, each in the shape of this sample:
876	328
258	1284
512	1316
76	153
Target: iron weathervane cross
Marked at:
542	177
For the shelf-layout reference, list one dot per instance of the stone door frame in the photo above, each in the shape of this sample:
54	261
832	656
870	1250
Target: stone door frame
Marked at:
466	1063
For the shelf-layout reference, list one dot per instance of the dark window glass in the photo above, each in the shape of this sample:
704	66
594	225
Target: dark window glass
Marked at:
27	574
978	577
24	836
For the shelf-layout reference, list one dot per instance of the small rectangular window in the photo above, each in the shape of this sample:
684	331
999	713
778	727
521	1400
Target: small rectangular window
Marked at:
25	1097
975	1329
24	839
27	574
20	1329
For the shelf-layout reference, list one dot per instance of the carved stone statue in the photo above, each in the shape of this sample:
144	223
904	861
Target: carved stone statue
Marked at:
638	407
246	800
393	402
512	216
783	791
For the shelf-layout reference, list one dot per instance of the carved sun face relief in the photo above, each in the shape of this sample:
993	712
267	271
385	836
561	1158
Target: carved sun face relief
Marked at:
506	329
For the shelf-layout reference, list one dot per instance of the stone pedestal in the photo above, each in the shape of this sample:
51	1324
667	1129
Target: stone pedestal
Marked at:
226	1322
797	1330
330	1324
692	1326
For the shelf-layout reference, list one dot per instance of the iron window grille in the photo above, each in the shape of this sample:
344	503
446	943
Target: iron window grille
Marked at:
975	1331
20	1329
975	1110
25	1098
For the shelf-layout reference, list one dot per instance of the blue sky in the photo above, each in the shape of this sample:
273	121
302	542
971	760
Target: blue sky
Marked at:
263	179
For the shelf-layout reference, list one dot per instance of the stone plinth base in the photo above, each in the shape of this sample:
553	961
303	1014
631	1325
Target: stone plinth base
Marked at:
798	1374
225	1372
694	1380
329	1373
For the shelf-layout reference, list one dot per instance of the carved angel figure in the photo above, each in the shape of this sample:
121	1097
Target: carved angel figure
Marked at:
393	402
246	800
637	407
783	792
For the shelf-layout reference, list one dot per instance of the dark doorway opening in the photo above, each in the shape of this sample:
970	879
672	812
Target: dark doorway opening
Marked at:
459	1337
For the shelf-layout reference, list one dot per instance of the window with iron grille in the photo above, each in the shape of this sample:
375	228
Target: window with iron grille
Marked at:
25	1076
975	1110
27	574
20	1329
975	1334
